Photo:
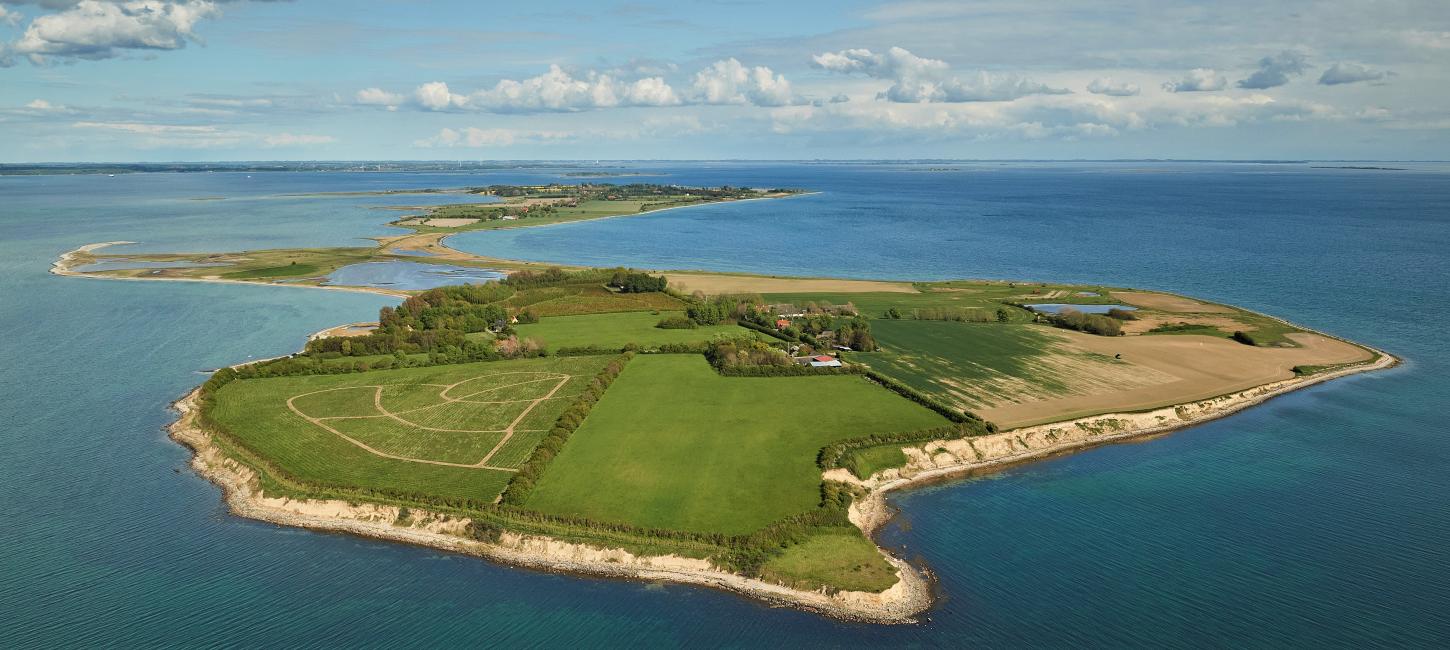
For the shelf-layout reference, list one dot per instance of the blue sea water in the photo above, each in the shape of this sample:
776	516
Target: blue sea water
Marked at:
409	276
1317	520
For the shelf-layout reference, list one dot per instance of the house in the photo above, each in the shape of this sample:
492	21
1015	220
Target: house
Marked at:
825	361
782	323
510	217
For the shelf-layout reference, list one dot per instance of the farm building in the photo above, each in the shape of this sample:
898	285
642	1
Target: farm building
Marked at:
824	361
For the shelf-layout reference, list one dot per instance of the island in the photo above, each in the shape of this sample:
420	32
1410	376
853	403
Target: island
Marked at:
733	431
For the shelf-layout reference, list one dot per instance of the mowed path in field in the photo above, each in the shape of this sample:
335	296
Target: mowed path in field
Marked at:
1185	368
559	380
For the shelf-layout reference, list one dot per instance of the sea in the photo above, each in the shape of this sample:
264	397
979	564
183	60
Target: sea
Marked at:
1320	519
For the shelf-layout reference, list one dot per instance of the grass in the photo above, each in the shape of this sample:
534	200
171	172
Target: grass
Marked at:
675	445
571	300
836	558
617	329
255	412
287	271
964	294
865	462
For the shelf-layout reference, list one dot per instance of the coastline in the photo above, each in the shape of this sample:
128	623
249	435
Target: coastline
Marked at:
939	460
929	462
62	266
902	603
899	604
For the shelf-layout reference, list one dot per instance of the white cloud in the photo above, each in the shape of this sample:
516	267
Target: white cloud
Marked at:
1106	86
496	137
1348	73
1274	71
146	135
1197	80
559	91
378	97
1062	117
729	82
296	140
918	79
553	91
9	17
435	96
93	30
42	106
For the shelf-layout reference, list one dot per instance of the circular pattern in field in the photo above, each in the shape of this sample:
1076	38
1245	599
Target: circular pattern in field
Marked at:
468	423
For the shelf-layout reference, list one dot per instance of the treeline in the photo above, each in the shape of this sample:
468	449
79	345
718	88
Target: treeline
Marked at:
523	482
633	282
955	314
971	420
747	358
1090	323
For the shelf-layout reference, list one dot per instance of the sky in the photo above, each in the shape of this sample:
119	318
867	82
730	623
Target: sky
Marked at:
170	80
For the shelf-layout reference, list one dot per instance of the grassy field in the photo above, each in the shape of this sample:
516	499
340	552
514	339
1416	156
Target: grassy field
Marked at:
453	413
617	329
576	299
839	558
675	445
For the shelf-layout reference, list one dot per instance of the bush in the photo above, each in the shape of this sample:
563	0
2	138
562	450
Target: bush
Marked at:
1122	314
958	314
1248	338
631	282
675	323
1090	323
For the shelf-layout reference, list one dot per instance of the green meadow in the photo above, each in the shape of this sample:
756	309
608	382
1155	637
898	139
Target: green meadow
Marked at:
618	329
256	414
673	444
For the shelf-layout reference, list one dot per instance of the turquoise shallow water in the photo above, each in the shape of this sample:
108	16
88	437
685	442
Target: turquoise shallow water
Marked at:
1317	520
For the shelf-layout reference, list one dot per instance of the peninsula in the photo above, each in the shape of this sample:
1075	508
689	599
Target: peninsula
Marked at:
727	430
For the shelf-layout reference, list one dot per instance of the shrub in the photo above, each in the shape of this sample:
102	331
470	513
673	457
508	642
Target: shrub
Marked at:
1090	323
675	323
1122	314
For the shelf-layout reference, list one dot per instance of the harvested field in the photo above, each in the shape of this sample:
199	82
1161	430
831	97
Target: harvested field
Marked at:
1182	369
1166	302
717	284
449	222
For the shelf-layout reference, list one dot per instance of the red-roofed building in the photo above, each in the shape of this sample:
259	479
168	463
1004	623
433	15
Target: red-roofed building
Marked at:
782	323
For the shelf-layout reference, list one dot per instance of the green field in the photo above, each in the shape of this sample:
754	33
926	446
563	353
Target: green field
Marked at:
960	362
840	558
675	445
617	329
445	414
576	299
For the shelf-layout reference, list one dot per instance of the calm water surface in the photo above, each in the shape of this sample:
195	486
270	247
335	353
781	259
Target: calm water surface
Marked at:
1317	520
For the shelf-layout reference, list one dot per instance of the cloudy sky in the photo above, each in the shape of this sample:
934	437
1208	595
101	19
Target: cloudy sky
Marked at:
103	80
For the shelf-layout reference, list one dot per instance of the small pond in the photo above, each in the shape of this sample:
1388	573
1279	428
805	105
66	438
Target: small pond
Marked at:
409	275
1057	308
